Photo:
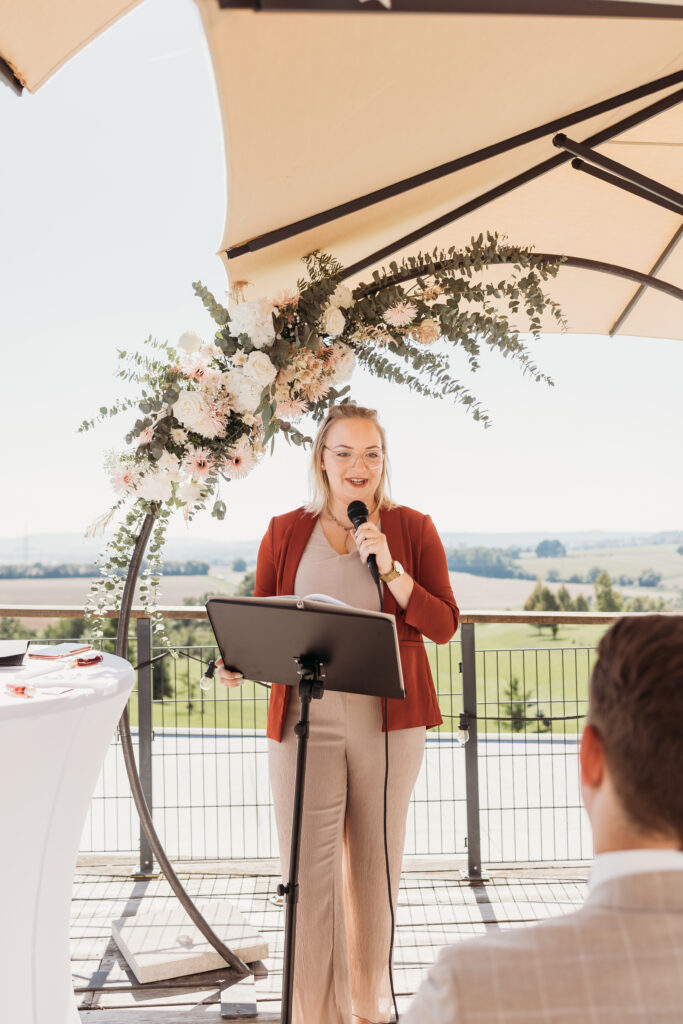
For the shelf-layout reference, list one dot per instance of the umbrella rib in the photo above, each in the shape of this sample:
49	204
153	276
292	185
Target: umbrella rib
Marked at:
513	183
617	170
566	8
8	76
627	186
459	163
659	263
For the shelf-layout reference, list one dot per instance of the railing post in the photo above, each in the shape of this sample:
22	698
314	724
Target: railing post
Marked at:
144	638
469	699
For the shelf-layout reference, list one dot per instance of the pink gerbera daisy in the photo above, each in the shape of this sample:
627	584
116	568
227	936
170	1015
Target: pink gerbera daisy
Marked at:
400	315
198	463
240	461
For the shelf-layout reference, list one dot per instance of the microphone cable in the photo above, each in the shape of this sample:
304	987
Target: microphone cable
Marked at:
385	715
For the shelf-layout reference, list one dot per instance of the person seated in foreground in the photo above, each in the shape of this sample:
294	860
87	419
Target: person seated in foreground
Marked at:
620	956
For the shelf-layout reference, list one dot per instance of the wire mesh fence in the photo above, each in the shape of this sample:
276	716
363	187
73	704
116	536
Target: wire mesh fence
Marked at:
209	765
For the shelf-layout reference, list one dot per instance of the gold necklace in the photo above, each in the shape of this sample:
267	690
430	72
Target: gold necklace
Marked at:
347	529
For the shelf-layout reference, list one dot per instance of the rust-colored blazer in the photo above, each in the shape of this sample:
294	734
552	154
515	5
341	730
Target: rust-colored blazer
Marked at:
432	610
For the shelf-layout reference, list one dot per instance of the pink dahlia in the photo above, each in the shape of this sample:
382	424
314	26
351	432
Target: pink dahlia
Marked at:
400	315
124	479
146	435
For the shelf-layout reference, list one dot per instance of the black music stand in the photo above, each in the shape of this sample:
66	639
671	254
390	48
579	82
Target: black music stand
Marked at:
314	645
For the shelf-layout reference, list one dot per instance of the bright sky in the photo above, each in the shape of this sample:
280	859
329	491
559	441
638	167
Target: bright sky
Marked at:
113	202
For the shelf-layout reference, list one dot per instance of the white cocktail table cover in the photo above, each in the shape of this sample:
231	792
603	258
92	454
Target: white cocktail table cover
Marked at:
52	747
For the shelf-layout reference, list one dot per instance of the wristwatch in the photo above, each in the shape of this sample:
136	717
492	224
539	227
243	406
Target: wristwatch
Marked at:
393	574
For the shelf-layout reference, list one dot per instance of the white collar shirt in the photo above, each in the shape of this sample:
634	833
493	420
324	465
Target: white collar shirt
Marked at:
618	863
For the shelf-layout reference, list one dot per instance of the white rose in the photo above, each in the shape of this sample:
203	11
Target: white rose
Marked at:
333	322
341	297
189	409
189	342
170	465
344	365
255	319
245	392
260	369
155	486
191	492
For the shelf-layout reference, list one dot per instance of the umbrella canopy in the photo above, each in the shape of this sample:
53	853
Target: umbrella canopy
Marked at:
374	129
324	110
38	36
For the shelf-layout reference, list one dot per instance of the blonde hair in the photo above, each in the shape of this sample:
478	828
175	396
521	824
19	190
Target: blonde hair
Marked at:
320	488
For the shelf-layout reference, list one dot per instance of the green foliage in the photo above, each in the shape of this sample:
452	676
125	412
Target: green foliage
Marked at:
239	565
14	629
216	311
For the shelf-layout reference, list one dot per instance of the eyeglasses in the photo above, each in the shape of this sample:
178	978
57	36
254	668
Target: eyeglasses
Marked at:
371	459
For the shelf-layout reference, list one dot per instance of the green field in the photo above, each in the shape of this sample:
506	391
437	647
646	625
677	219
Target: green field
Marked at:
617	561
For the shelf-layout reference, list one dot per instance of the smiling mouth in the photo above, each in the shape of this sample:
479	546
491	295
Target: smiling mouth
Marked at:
357	481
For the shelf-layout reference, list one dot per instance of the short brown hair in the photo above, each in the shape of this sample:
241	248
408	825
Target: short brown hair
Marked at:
320	489
636	707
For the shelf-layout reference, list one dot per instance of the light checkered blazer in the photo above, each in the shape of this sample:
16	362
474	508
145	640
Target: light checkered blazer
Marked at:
617	960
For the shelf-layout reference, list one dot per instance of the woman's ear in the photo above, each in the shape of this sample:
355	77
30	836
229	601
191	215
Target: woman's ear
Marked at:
591	758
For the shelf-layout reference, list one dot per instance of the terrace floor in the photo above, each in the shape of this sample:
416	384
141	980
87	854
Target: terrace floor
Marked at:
436	907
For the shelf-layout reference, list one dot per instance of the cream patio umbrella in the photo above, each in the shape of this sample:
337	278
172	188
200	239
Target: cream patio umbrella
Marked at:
371	129
372	133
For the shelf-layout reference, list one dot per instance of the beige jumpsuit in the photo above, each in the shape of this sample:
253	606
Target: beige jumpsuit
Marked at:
343	919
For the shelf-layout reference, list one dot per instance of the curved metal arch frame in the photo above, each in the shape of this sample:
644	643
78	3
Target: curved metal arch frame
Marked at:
240	969
579	262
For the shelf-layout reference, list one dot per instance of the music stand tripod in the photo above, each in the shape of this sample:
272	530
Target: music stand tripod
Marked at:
315	646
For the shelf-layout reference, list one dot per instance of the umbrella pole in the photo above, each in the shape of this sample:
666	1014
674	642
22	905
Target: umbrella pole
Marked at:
238	969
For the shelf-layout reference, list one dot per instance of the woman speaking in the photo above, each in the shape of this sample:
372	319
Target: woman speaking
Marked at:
344	921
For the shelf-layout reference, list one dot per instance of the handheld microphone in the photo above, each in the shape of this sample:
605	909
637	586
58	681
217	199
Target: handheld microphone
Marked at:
358	514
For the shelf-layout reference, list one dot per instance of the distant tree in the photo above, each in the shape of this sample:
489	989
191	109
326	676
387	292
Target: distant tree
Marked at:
481	561
516	711
239	565
624	580
564	599
646	604
607	599
542	599
649	578
246	587
679	550
592	574
580	603
551	549
575	578
515	707
553	575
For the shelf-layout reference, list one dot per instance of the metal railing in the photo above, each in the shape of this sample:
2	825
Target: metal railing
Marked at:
509	794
